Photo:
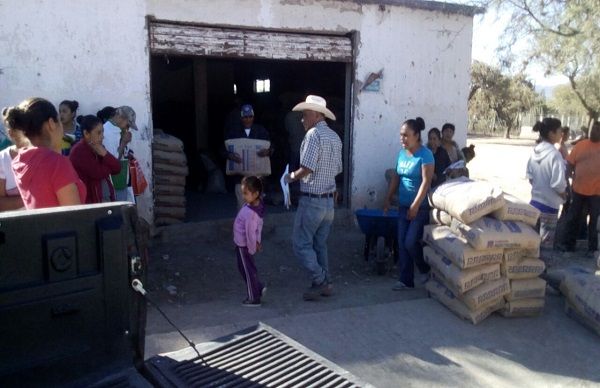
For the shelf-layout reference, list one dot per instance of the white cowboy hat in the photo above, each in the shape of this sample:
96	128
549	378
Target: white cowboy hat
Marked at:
317	104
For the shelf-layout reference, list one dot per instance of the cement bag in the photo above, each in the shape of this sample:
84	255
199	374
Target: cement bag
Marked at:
176	158
172	212
555	277
169	200
486	294
583	293
467	200
443	295
526	289
580	317
515	209
457	280
163	142
162	179
439	217
488	232
443	240
517	254
523	269
252	164
169	190
169	169
523	308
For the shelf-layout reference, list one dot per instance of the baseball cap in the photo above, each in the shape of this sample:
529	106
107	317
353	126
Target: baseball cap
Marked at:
129	114
247	110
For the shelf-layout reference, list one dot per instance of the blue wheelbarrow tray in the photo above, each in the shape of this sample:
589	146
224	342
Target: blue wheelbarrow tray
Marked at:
381	236
374	222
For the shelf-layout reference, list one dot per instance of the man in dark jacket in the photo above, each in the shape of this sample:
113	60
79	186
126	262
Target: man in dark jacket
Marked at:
248	130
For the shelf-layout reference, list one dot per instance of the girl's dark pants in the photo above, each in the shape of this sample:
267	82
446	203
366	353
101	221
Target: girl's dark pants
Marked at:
249	273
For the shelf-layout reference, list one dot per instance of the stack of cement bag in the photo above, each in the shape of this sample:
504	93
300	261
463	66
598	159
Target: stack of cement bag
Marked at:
483	252
170	170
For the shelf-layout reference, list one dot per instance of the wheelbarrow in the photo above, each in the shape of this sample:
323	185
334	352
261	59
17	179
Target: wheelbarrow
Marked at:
381	237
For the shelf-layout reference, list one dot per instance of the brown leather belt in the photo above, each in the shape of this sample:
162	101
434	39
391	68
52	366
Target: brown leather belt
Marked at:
326	195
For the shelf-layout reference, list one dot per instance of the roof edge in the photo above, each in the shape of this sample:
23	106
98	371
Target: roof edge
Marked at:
462	9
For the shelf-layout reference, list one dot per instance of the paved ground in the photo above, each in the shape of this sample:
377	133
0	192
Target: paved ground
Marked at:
384	337
503	162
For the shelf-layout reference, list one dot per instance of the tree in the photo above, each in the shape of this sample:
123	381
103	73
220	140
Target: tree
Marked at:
564	101
499	98
563	36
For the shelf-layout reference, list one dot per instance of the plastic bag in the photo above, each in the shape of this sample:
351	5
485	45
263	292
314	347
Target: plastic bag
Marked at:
138	180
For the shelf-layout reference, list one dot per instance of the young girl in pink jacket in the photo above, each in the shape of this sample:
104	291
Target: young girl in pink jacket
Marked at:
247	229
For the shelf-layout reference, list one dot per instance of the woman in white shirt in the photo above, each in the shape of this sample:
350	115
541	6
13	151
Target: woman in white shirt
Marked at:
10	198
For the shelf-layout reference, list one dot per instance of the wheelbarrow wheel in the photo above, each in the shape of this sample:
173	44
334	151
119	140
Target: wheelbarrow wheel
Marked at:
381	257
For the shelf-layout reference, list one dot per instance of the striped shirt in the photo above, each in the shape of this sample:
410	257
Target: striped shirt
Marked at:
321	152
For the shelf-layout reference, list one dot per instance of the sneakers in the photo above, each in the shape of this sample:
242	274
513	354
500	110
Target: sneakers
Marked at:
400	286
318	290
263	292
251	303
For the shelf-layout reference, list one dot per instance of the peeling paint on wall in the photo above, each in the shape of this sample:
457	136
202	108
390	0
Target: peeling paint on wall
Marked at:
171	38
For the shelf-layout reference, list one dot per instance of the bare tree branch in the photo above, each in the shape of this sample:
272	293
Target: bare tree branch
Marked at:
524	6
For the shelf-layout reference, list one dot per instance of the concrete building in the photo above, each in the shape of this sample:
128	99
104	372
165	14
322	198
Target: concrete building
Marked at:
181	64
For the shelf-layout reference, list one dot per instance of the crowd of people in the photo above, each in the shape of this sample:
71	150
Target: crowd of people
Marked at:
559	178
320	161
58	158
420	169
567	180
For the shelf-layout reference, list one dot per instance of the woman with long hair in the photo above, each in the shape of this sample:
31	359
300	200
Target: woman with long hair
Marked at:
10	199
93	162
546	173
44	177
67	112
414	171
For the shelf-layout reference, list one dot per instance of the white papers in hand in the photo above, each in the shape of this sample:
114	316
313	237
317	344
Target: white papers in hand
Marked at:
285	188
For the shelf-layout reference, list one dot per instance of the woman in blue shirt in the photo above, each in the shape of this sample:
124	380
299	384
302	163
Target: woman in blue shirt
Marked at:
414	172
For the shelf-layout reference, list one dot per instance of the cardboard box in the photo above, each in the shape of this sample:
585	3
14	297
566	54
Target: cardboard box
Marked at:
252	164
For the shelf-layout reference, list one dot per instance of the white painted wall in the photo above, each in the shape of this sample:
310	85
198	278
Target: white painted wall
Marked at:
425	56
90	51
97	53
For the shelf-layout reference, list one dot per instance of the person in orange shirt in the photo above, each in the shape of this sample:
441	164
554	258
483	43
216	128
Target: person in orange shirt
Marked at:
584	166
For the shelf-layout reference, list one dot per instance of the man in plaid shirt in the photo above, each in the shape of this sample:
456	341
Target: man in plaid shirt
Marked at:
320	162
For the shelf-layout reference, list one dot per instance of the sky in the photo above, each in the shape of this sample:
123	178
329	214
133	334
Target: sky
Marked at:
487	29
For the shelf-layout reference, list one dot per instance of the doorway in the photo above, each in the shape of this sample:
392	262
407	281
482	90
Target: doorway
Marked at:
196	97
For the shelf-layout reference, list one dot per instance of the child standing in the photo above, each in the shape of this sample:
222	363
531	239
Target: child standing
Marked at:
247	229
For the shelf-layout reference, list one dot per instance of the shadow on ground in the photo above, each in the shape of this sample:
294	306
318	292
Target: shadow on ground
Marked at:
381	336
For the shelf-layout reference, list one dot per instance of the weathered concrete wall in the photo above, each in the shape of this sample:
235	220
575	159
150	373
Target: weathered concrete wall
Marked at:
425	57
91	51
97	52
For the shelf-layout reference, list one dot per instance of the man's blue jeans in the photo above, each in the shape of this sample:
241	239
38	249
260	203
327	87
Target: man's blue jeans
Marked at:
309	240
410	250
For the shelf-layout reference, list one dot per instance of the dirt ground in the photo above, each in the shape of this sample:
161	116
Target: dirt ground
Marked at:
195	265
193	273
